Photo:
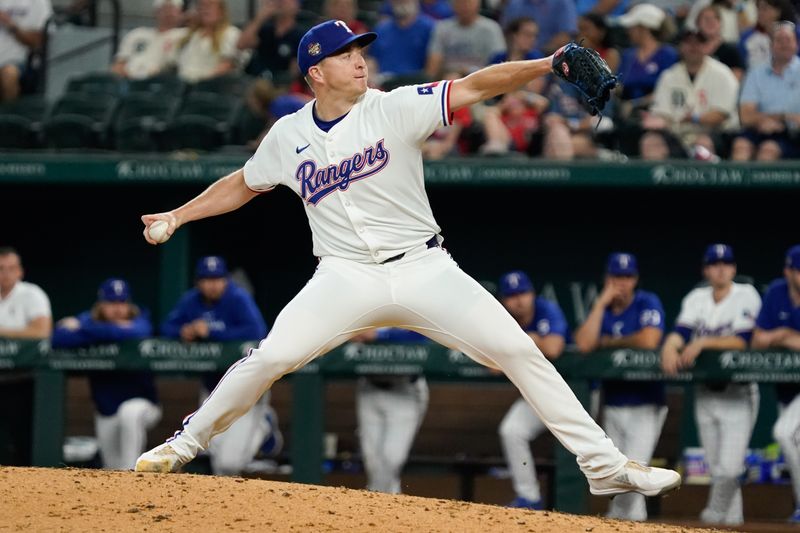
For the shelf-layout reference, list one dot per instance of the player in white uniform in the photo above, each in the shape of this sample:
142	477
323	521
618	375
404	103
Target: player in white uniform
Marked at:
720	316
353	156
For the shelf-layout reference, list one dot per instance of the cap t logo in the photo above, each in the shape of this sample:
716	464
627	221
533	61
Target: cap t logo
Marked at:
118	287
513	280
314	49
343	25
623	260
211	263
720	250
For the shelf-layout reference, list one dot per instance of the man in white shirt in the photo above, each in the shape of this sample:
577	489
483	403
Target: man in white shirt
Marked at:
146	51
696	98
353	156
719	316
24	307
21	30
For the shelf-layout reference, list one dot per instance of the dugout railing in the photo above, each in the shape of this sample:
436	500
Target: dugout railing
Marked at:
437	363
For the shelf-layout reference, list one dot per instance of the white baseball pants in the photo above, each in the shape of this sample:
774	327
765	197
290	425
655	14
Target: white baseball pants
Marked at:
388	420
725	422
427	292
122	437
787	433
231	450
518	428
635	429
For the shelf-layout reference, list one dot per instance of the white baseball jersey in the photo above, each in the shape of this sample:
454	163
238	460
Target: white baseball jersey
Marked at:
24	303
735	314
715	87
361	182
27	15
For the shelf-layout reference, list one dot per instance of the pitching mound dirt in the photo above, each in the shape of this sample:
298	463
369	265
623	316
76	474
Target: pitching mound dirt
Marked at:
41	499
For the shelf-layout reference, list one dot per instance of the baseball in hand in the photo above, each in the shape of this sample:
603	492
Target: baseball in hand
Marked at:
158	231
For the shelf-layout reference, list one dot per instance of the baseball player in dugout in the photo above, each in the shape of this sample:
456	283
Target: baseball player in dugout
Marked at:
778	326
390	410
353	156
718	316
219	310
623	316
544	322
126	402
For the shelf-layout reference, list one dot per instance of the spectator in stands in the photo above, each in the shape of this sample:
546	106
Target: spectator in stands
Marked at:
344	10
208	47
718	316
594	33
402	47
273	35
570	129
658	145
778	327
769	105
521	36
695	99
126	402
146	51
648	29
755	43
21	31
733	16
545	323
557	20
390	410
268	103
602	8
709	24
435	9
24	307
623	316
219	310
465	42
514	124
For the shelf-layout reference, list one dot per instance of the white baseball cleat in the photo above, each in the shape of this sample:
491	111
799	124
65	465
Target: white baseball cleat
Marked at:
635	477
163	458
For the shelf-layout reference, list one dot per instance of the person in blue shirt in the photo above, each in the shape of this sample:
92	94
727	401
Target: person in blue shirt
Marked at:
521	37
402	46
544	321
624	317
126	403
390	410
778	326
219	310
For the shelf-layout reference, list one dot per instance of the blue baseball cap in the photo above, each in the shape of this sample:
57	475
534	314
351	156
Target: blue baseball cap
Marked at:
793	257
114	290
515	282
325	40
718	253
211	266
622	264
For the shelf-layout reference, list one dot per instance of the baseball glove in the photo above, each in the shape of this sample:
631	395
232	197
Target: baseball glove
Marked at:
586	70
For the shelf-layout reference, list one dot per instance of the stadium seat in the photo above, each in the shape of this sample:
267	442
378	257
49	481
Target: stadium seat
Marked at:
97	83
204	122
80	121
21	122
161	85
140	121
246	126
229	84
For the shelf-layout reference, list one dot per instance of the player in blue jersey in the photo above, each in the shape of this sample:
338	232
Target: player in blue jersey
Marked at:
126	402
390	410
778	326
544	322
624	317
219	310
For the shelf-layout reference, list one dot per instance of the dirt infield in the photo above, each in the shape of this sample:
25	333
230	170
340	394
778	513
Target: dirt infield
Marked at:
40	499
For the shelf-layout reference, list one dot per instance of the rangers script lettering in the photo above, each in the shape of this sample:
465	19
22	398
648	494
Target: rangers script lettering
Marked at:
317	183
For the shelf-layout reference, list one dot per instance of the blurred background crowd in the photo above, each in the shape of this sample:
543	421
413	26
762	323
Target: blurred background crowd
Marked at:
703	79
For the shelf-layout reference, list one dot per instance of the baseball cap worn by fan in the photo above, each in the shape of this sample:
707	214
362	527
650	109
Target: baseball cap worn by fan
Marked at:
793	257
114	290
325	40
211	266
622	264
646	15
514	282
718	253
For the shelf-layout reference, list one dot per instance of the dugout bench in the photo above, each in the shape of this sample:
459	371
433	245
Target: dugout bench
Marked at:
349	361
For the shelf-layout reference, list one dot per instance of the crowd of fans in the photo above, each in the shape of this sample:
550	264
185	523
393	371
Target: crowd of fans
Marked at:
709	79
